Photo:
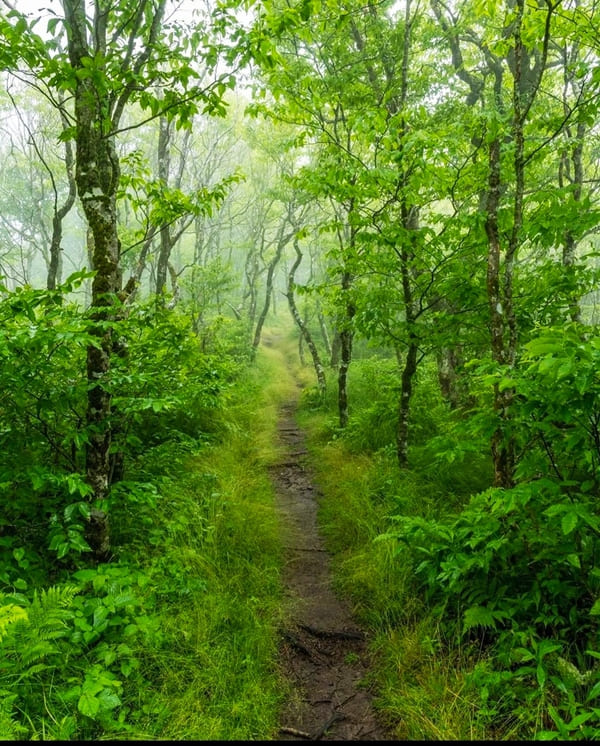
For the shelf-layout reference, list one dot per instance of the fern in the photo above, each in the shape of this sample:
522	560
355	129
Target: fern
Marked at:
49	611
28	639
9	614
483	616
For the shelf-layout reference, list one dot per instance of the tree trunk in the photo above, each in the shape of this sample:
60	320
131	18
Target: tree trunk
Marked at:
324	333
55	263
97	173
410	222
282	241
302	326
406	391
446	360
336	347
346	338
164	162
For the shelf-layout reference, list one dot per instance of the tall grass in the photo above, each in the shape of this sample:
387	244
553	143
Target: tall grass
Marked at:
217	666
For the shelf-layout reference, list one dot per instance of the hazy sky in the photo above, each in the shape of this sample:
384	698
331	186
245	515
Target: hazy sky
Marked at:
46	9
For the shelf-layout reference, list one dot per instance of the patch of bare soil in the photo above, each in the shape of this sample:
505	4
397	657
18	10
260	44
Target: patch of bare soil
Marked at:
323	651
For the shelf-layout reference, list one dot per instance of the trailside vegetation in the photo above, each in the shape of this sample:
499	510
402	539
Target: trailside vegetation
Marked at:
175	635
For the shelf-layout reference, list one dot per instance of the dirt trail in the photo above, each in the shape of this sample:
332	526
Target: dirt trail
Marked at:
323	651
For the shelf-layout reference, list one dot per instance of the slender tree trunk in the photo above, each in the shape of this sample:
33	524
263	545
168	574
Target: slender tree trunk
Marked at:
302	325
175	289
324	333
410	224
447	360
301	350
336	347
406	391
502	450
265	309
282	241
168	235
164	162
60	213
346	335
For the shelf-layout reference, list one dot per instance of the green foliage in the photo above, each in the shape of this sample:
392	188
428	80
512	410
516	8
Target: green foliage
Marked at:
143	647
509	560
557	410
43	344
515	569
374	385
165	386
165	390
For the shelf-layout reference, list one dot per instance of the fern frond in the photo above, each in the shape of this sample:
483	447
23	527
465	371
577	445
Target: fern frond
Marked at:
10	614
49	611
36	652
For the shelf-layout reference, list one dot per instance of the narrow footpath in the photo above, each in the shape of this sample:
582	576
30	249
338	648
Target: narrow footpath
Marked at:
323	651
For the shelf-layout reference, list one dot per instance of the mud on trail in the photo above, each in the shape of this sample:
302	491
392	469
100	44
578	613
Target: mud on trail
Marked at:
323	652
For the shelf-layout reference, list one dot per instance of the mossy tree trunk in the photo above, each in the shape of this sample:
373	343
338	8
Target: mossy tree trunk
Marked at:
97	112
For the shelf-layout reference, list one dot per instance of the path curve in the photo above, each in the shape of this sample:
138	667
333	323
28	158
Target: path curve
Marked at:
323	651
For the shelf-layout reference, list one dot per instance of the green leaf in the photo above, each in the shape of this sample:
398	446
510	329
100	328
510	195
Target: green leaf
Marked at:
579	720
88	705
100	615
63	550
108	699
540	674
569	522
481	616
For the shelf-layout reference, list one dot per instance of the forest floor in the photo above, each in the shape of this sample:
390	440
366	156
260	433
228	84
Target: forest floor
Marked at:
323	651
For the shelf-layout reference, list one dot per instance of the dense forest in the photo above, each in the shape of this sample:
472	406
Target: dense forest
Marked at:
390	206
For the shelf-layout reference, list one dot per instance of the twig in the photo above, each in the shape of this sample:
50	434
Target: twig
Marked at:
295	643
295	732
345	701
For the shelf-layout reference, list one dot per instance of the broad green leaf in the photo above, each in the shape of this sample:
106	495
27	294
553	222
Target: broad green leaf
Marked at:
569	522
88	705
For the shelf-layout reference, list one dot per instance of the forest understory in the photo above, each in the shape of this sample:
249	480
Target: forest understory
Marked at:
258	590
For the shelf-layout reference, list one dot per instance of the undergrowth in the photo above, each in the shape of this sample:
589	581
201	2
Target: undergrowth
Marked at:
176	637
482	603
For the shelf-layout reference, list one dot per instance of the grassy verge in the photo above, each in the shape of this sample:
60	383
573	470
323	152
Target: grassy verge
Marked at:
217	664
421	686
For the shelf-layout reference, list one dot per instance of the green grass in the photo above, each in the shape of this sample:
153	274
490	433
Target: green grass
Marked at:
217	667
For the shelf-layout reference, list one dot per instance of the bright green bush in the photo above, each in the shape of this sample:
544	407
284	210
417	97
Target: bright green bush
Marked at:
515	570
